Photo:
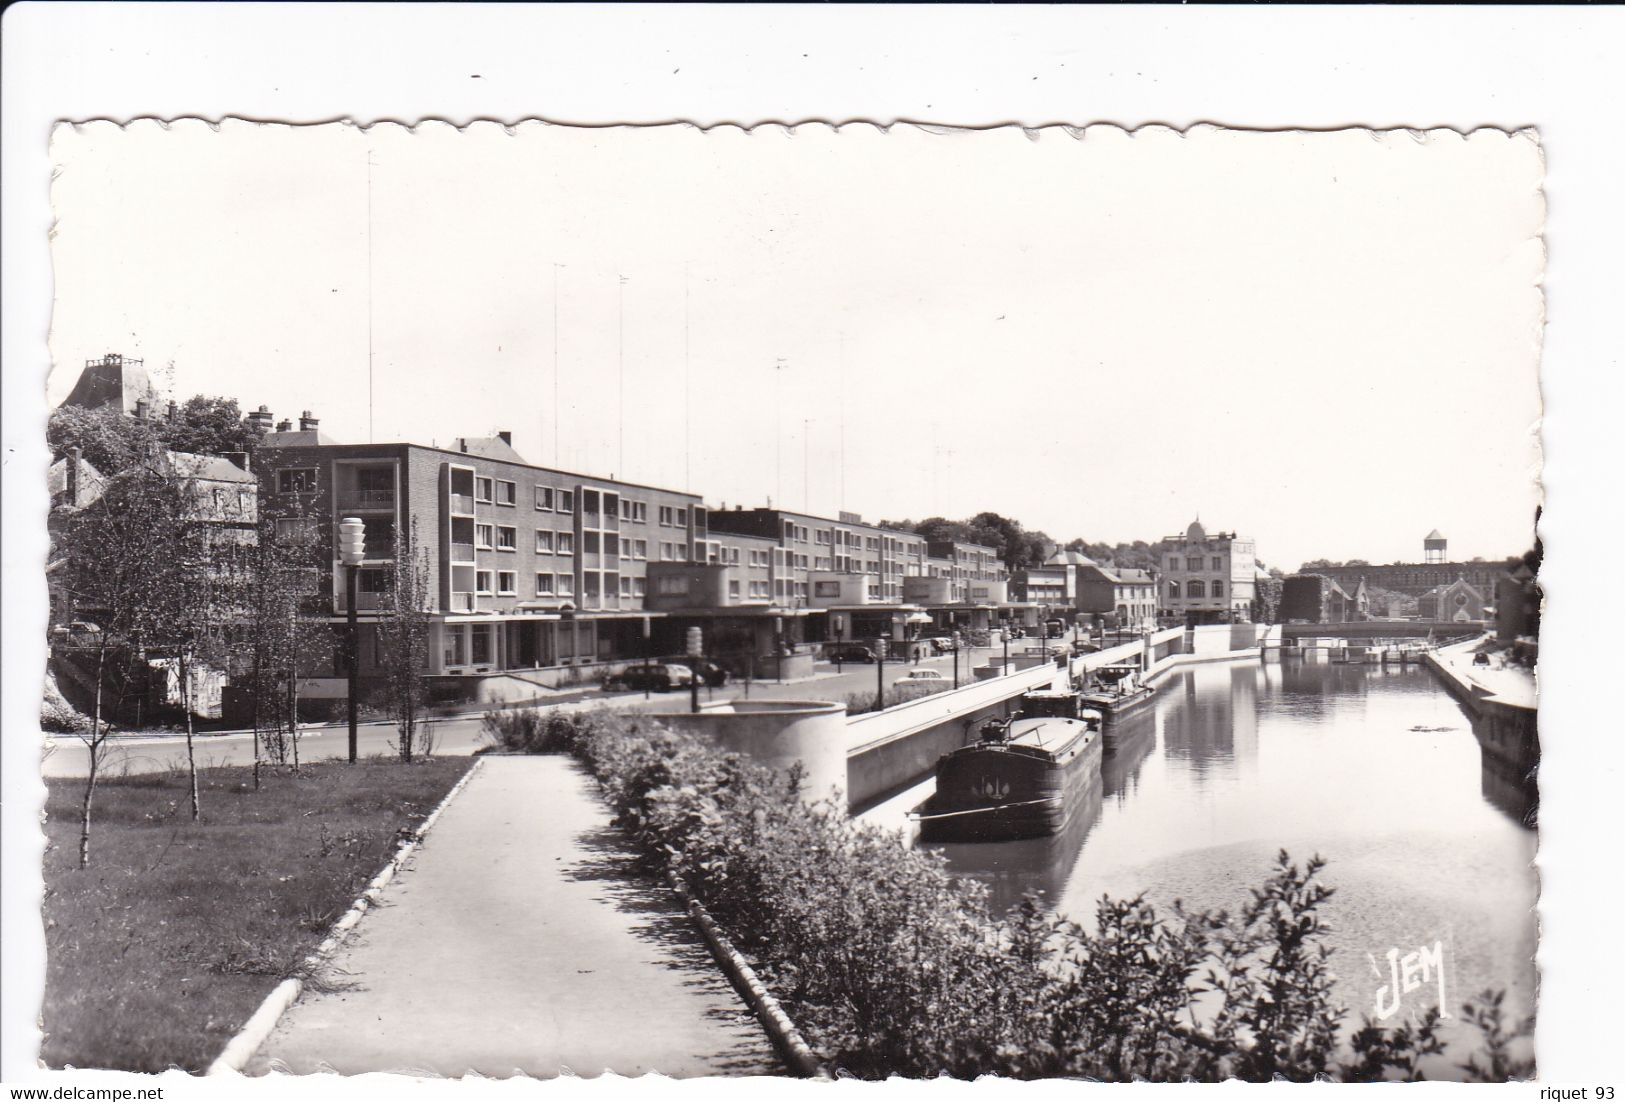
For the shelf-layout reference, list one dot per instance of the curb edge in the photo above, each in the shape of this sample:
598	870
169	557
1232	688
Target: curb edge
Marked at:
780	1029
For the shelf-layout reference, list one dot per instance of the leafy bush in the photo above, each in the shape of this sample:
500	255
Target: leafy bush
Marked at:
891	966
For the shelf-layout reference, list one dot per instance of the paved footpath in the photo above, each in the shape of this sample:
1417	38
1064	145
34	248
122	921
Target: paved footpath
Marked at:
519	939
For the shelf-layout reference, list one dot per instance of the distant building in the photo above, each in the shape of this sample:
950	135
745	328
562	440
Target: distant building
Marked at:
117	382
1206	579
1317	599
1416	578
1459	601
1126	594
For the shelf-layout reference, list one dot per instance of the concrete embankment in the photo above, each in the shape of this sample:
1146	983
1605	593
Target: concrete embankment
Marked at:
1501	703
890	753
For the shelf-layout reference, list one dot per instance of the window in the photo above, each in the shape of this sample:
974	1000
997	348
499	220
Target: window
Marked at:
1173	562
1218	589
295	530
640	549
544	542
1173	591
589	584
670	586
626	586
375	485
565	543
1195	589
638	587
665	516
636	511
296	480
452	654
566	585
733	589
612	505
667	552
544	498
682	552
682	518
505	493
1218	562
482	536
589	543
480	637
372	581
612	543
507	583
544	585
566	501
482	489
482	582
507	538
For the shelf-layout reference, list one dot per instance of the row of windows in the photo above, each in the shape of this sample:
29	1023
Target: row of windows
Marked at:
1194	562
504	583
1196	589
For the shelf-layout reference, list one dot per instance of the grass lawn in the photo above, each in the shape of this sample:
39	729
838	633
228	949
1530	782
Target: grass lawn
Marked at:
161	949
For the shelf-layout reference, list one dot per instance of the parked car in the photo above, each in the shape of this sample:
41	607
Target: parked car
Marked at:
659	676
939	644
848	652
923	675
710	672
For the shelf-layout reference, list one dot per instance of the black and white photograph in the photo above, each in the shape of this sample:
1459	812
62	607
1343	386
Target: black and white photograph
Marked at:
809	601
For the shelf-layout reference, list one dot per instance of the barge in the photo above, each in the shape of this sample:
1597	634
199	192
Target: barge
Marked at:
1024	777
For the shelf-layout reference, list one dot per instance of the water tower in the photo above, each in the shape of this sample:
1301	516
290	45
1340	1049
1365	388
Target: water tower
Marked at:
1433	547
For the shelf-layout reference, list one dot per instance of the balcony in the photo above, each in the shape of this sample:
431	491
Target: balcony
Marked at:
462	602
364	602
461	505
367	499
462	552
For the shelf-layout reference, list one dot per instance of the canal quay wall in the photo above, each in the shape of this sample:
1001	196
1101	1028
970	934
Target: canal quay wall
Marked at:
779	733
890	752
1507	729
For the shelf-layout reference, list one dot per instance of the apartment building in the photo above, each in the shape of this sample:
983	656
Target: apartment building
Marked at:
532	568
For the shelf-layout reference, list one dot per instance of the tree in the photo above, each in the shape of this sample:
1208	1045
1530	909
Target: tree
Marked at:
209	426
403	643
119	560
278	582
106	438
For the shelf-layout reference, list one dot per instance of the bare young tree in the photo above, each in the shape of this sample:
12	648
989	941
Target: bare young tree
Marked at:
403	644
278	579
118	561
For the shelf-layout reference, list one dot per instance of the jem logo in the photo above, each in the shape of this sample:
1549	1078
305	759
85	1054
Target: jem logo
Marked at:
993	788
1406	974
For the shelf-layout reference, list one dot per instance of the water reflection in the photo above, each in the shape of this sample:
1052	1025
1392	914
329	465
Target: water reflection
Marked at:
1130	743
1376	769
1042	865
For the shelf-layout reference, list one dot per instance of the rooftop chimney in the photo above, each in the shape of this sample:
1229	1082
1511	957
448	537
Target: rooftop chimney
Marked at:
284	425
260	419
506	437
307	423
74	455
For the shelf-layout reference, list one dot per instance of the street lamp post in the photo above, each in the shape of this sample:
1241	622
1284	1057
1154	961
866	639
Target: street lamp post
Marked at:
352	549
1005	636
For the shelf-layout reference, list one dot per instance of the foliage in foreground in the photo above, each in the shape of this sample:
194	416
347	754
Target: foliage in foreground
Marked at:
891	966
157	954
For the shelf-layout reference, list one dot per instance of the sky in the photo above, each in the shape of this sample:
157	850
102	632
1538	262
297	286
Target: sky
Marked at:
1326	341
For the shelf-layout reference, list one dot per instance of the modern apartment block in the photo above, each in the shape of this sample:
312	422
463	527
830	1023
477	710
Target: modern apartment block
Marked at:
531	568
1207	579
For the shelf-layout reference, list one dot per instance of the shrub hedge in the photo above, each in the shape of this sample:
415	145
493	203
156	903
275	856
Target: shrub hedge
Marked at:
891	966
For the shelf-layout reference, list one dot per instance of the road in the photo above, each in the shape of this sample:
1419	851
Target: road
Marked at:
66	756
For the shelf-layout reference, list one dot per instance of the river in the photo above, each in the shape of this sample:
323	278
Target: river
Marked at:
1376	770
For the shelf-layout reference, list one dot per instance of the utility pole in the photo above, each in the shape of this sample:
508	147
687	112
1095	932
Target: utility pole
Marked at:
352	550
779	364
